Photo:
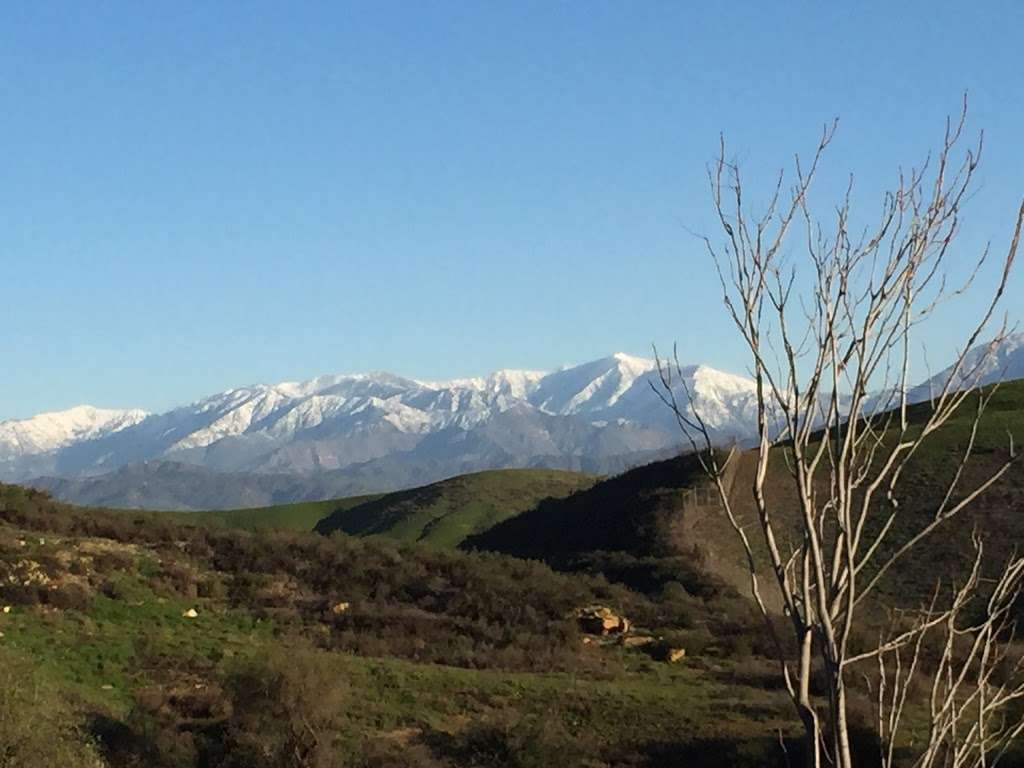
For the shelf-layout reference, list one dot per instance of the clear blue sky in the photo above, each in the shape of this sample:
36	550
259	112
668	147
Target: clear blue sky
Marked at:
195	196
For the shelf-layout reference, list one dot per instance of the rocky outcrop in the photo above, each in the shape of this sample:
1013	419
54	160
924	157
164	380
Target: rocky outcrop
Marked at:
601	620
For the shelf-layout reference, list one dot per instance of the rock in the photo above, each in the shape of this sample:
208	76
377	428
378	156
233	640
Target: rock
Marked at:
662	651
601	620
339	608
675	654
191	613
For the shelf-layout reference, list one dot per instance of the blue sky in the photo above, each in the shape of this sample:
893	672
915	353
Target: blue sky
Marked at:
199	196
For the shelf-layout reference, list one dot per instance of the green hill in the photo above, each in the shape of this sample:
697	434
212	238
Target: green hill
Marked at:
443	514
647	524
300	516
630	528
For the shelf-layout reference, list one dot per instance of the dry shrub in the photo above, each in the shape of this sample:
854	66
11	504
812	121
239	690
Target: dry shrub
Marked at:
69	597
287	711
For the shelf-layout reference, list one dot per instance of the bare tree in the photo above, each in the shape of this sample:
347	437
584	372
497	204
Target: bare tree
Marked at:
824	340
974	681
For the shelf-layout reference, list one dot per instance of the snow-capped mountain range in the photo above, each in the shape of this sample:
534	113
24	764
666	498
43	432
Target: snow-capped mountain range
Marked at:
333	422
378	431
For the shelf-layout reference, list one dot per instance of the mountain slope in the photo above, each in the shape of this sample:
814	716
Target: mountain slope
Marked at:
166	485
1003	362
632	512
24	443
49	431
443	514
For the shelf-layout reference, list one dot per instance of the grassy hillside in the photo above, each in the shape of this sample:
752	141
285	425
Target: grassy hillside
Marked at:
392	654
301	516
998	514
631	512
630	528
443	514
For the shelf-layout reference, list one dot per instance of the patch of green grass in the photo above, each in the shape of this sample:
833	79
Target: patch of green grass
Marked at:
300	516
104	653
636	707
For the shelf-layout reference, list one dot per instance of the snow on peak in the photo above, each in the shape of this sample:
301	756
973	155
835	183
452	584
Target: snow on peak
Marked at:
591	386
709	379
995	361
49	431
636	366
507	381
336	420
312	386
983	364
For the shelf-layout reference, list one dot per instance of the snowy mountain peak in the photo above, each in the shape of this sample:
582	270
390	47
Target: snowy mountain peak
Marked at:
996	361
590	387
637	366
984	364
47	432
705	377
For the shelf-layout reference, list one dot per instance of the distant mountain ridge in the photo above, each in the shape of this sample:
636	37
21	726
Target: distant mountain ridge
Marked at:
360	433
578	417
